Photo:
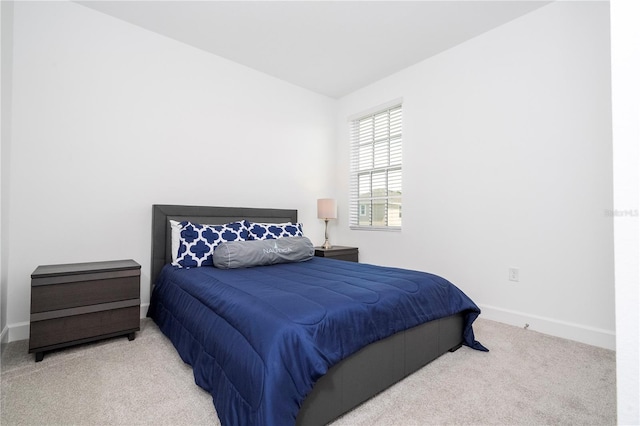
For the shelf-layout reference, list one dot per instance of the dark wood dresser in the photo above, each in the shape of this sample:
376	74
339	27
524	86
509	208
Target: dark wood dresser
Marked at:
81	302
338	252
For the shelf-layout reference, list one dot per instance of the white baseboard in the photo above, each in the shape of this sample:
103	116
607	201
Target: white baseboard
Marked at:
20	331
572	331
4	339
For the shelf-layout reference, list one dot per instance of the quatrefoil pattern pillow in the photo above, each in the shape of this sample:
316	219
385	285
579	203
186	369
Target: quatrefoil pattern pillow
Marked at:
197	242
271	231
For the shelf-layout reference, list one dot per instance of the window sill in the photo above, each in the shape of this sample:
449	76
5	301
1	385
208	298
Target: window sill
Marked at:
376	228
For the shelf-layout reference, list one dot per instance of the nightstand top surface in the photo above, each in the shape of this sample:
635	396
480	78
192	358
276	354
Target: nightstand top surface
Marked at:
82	268
336	248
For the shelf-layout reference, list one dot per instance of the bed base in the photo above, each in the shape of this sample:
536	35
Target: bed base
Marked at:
378	366
356	378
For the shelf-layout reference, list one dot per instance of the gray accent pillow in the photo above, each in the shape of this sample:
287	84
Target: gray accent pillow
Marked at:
244	254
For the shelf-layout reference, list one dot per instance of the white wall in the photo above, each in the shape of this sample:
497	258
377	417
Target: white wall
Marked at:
508	163
6	37
625	65
109	119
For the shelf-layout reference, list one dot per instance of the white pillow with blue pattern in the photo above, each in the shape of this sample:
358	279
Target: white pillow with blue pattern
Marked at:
197	242
272	231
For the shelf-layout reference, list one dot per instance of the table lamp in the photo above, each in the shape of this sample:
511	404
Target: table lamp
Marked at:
327	210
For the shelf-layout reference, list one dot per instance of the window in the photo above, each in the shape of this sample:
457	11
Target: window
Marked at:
376	170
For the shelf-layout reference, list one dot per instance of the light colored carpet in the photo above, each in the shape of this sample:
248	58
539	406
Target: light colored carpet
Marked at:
527	378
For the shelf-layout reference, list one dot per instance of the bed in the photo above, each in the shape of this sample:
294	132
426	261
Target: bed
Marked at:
266	341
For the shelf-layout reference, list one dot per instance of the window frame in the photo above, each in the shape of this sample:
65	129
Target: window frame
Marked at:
393	141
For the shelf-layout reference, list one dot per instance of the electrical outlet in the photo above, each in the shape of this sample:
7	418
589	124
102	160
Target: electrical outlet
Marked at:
514	274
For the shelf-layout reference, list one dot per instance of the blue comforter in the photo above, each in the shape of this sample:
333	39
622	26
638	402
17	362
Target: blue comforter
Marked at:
259	338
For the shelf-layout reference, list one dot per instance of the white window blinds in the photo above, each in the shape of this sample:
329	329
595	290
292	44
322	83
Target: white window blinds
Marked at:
376	170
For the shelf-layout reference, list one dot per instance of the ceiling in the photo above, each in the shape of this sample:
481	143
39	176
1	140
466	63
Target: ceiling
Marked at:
330	47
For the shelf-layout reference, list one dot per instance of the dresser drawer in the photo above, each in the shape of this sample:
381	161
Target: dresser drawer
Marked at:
349	254
59	331
86	291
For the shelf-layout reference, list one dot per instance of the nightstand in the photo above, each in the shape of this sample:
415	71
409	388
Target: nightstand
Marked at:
81	302
338	252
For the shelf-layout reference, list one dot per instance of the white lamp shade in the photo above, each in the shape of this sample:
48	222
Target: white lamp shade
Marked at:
327	208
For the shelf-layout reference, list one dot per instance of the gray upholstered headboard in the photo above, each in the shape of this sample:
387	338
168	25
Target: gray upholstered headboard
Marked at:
161	229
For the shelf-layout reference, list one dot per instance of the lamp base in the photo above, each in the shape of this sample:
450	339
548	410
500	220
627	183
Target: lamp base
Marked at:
326	245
